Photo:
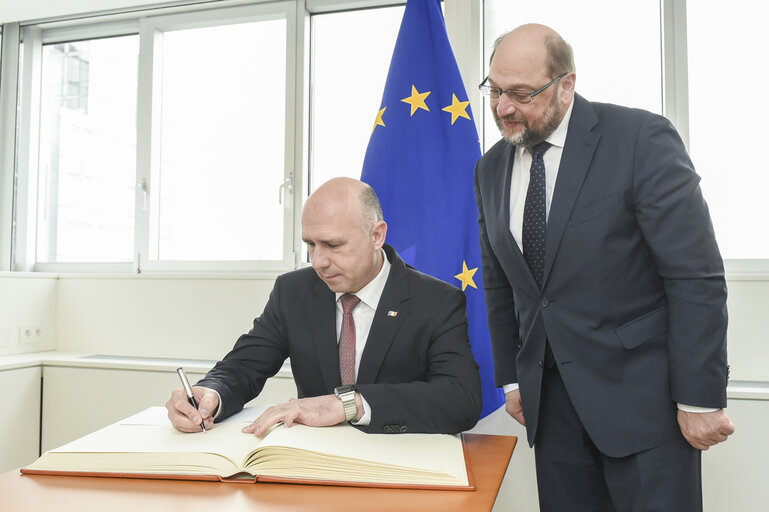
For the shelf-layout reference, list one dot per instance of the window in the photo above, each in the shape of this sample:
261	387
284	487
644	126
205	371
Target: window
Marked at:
87	150
722	46
222	144
347	85
159	143
617	47
171	138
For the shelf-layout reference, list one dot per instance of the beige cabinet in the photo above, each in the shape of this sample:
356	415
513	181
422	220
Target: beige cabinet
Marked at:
79	400
734	474
20	421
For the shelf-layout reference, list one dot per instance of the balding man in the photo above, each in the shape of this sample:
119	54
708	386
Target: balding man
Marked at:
371	340
604	285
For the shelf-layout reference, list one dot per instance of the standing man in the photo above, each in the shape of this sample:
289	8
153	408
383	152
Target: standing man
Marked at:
604	286
371	340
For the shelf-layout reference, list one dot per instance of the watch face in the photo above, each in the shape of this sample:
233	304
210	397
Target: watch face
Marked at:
344	389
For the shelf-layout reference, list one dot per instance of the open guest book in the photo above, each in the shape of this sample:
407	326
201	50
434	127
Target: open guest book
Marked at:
147	446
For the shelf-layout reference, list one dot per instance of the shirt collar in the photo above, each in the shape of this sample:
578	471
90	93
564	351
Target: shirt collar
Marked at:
372	292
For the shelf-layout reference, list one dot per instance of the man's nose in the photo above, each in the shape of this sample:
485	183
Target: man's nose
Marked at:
319	258
505	106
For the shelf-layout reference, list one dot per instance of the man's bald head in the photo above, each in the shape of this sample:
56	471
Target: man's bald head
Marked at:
541	46
345	196
343	228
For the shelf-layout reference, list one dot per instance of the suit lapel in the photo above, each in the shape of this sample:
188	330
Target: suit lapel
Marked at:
503	219
324	333
501	194
385	326
575	162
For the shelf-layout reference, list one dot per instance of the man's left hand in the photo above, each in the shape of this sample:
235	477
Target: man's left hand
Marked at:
318	411
706	429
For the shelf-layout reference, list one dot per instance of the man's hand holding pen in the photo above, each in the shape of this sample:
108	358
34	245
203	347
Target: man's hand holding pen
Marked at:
185	417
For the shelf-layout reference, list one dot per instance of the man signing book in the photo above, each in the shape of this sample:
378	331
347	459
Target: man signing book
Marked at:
371	340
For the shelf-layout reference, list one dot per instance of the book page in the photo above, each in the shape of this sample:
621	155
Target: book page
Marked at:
158	415
150	416
343	452
145	443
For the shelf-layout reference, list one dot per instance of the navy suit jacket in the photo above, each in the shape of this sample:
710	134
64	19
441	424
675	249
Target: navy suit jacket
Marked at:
417	371
633	301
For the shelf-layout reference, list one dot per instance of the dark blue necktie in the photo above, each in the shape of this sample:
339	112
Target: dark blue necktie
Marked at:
535	214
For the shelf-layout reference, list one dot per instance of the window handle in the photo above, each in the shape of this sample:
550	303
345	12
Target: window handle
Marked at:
287	186
142	187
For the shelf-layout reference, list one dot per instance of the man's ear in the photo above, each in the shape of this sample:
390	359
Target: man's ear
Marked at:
379	234
567	87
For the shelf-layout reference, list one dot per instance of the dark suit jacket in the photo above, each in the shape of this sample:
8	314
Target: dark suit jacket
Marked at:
634	298
417	371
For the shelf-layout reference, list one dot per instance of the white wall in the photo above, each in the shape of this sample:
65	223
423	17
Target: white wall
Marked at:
27	301
139	315
200	317
748	335
26	10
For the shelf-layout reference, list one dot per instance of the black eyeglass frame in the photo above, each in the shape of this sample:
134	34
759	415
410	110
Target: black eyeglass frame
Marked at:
511	94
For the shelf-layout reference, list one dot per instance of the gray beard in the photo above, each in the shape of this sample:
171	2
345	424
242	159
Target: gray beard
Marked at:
528	138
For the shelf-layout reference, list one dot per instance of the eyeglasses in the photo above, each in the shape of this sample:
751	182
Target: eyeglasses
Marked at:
514	95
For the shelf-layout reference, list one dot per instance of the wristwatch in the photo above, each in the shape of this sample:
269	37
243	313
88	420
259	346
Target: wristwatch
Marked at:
347	395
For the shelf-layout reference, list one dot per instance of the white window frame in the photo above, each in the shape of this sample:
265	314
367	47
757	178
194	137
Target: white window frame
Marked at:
9	58
150	30
464	21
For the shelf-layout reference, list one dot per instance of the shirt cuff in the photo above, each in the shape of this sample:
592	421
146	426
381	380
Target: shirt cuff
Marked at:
364	420
698	410
219	407
509	387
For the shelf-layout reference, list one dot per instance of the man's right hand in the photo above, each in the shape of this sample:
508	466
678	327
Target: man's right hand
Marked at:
184	417
513	406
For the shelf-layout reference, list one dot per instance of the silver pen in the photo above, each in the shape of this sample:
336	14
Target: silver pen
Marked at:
188	390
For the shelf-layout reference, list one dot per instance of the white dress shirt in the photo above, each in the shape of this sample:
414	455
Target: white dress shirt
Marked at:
363	316
519	184
519	181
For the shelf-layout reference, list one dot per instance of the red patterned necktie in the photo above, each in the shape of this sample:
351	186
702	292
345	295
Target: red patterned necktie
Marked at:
347	339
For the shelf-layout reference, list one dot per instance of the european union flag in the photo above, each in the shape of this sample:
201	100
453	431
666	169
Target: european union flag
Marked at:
420	161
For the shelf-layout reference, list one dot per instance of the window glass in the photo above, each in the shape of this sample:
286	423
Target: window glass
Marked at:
87	153
723	44
351	56
222	145
617	48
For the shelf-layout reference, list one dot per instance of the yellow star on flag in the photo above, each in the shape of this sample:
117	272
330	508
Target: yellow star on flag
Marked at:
467	276
457	108
378	121
417	100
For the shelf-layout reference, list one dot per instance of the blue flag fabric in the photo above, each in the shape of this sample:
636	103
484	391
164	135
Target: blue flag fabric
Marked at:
420	161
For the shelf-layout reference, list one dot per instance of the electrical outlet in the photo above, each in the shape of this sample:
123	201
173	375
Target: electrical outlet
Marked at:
5	335
30	334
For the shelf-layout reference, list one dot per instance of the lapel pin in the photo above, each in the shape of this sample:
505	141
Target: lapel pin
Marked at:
392	313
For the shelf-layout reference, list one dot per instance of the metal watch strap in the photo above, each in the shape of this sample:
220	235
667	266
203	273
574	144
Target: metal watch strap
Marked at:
347	395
